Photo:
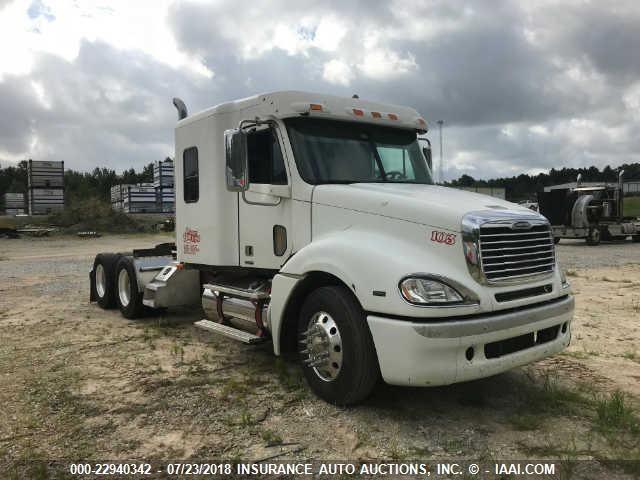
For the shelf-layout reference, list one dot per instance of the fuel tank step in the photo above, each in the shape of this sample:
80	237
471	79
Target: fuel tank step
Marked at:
229	332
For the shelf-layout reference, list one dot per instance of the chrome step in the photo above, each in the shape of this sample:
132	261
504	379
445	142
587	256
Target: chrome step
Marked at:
258	293
229	332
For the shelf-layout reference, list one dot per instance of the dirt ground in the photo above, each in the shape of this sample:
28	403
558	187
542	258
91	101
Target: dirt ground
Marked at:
78	382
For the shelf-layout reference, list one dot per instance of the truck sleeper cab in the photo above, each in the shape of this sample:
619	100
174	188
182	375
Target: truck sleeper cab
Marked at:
312	221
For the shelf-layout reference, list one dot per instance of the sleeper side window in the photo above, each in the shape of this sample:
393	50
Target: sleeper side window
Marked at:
190	172
266	163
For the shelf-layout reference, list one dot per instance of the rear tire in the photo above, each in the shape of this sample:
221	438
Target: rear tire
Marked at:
103	286
351	371
128	297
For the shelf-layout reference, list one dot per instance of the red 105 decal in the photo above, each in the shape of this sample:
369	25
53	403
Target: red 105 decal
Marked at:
443	237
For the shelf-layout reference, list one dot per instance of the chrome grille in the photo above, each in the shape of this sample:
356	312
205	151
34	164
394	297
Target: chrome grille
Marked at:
507	253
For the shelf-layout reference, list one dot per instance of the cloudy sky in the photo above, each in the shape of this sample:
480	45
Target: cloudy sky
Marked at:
520	86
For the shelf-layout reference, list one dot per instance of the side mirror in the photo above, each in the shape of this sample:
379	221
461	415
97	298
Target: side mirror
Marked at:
426	151
235	146
427	154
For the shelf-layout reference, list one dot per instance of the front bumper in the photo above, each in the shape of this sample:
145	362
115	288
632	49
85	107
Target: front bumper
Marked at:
436	353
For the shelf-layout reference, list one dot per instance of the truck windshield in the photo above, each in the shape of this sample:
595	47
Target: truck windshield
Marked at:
329	151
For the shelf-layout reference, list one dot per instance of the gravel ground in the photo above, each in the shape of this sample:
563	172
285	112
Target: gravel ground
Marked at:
577	254
84	383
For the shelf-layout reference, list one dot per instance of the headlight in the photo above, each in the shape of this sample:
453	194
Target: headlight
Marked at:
429	291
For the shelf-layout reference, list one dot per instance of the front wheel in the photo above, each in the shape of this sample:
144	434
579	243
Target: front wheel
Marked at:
593	238
336	348
128	297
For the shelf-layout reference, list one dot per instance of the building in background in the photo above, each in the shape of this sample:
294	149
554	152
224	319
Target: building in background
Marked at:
14	203
45	187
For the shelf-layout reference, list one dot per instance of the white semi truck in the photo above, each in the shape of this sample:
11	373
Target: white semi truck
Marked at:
312	221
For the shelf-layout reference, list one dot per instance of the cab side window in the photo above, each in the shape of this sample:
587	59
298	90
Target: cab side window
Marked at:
266	163
191	186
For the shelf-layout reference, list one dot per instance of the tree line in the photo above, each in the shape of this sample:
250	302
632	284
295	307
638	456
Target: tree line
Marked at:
97	184
524	187
78	186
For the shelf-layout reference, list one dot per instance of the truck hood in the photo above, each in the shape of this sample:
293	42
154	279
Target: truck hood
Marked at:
431	205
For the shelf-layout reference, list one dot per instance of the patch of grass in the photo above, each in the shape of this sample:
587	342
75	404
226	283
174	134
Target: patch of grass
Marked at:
633	356
363	437
526	422
177	350
271	438
631	207
551	397
246	419
396	453
571	273
615	414
235	387
290	377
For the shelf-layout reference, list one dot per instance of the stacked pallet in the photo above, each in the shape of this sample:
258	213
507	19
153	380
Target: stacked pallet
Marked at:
163	182
14	203
45	192
117	196
139	198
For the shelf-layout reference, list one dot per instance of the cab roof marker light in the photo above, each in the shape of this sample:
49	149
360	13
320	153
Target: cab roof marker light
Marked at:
357	112
315	106
376	114
300	107
392	116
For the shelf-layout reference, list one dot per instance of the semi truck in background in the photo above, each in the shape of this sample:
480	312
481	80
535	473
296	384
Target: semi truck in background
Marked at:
312	222
594	212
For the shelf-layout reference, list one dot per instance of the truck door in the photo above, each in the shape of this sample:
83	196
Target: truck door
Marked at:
265	208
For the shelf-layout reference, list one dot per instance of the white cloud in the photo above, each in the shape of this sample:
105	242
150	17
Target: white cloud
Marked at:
385	64
128	25
337	72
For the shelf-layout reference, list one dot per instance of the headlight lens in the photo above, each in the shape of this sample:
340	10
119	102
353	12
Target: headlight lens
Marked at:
426	291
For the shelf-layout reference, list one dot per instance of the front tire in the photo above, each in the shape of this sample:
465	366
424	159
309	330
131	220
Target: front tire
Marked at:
338	356
593	237
128	297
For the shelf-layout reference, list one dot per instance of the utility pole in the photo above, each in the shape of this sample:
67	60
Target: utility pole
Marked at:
440	122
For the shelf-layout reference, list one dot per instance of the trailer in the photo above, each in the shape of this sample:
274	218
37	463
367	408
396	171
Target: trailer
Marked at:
593	213
312	222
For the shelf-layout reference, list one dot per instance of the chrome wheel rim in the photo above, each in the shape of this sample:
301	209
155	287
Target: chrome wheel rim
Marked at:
323	346
124	287
101	280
